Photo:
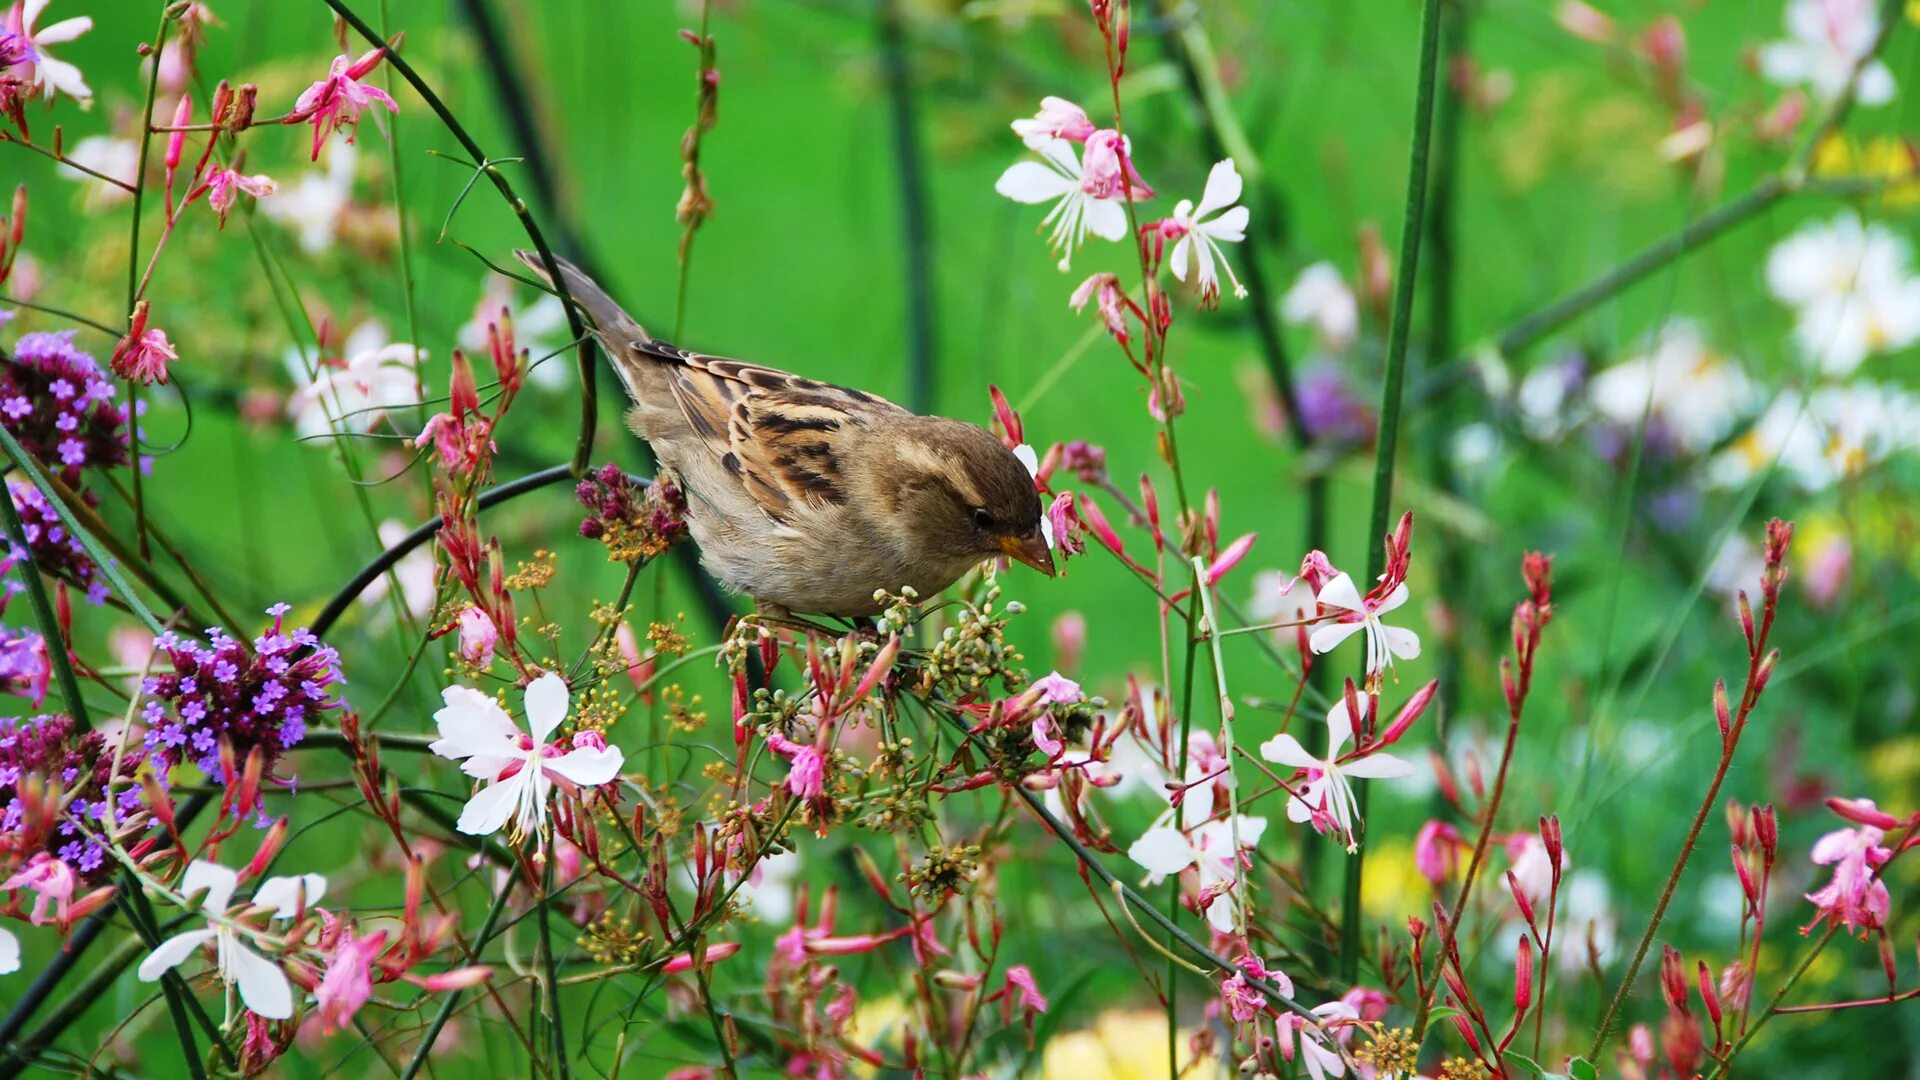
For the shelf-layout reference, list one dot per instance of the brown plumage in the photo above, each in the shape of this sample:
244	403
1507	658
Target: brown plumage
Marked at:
808	496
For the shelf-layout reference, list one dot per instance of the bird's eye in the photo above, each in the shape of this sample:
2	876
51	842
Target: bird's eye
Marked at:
982	520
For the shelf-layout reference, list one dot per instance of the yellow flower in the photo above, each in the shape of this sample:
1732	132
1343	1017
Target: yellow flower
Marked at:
1883	157
1122	1045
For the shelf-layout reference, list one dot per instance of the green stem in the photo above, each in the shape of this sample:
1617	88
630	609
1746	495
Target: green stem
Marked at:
439	1022
133	278
1412	230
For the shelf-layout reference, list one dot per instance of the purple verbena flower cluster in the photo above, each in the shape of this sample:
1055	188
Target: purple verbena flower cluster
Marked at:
56	550
70	763
25	667
59	404
260	697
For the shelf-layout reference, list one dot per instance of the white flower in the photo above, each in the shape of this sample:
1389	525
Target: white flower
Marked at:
1825	40
1200	239
770	887
1164	850
1692	392
415	572
50	75
1852	288
1077	211
520	770
1836	433
313	205
1320	298
9	952
1383	642
539	327
1318	1047
375	377
108	156
1329	792
263	986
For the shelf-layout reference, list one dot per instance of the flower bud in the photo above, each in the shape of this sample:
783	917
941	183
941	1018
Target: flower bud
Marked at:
1722	712
177	139
1523	975
1408	713
1673	980
1766	830
1863	812
1704	977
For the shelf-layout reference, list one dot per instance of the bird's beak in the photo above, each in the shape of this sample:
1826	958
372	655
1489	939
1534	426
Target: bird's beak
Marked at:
1031	549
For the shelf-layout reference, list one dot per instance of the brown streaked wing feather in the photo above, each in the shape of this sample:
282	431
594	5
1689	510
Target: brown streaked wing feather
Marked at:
772	429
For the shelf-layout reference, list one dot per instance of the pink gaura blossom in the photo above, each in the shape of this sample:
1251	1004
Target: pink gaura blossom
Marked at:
335	102
44	73
1058	118
51	880
1436	851
478	636
1063	527
348	980
807	766
1055	689
1109	299
1856	898
225	187
143	355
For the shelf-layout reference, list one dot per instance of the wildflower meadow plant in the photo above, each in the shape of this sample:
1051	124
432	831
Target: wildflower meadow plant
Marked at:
1446	619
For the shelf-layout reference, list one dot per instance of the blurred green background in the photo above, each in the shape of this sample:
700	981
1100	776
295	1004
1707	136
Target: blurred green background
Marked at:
803	266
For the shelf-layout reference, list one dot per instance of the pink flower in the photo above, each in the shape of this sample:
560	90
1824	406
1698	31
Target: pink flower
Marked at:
143	355
45	73
1063	526
1242	1001
1436	851
478	636
807	772
348	981
1055	689
1856	898
51	879
335	102
1046	735
1107	171
714	954
1058	118
225	186
1024	990
1110	300
1070	638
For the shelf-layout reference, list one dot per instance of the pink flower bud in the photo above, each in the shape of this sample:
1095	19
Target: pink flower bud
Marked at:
1863	812
1707	993
478	636
1523	975
1408	713
714	954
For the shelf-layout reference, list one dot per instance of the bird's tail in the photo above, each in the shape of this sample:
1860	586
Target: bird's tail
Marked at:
617	328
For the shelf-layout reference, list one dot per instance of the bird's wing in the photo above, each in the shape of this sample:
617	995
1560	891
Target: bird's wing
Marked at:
774	431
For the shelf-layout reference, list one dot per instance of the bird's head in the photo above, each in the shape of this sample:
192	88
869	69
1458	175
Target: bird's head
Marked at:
966	497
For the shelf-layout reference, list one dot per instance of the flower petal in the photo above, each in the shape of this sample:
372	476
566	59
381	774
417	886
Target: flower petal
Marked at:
1340	593
586	766
288	895
215	880
1401	641
1032	182
493	805
473	725
1378	767
64	30
1107	219
168	954
1223	188
547	701
1230	227
1284	749
1327	637
1162	851
9	952
263	986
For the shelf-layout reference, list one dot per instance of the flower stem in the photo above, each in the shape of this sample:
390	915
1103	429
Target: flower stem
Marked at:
1412	230
439	1022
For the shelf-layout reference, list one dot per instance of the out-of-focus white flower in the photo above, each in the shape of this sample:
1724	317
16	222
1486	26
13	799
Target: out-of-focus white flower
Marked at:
415	571
108	156
1321	299
1059	178
313	204
1826	40
375	376
770	887
1852	288
1587	914
1546	398
48	75
1833	434
539	327
9	952
1692	393
1736	567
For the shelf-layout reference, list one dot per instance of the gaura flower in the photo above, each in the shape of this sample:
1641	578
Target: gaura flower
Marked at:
1315	1045
1826	40
1689	393
144	353
807	766
1200	236
1164	850
336	101
52	882
263	986
1856	898
225	187
1084	201
1852	288
478	636
1328	800
315	204
108	156
1058	118
347	982
1321	299
521	769
354	393
1383	642
49	75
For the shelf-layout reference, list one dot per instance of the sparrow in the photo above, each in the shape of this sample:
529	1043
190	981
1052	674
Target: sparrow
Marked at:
811	497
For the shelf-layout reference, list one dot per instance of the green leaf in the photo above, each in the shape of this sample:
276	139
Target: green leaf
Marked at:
1581	1069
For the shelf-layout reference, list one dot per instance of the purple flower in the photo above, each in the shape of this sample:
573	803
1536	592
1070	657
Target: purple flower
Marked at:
1332	409
56	551
48	747
57	402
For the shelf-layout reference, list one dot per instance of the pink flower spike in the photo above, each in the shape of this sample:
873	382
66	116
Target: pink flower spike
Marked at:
1856	898
335	102
1058	118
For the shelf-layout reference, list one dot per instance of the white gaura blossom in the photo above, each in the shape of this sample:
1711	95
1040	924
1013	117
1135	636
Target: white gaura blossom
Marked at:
1164	850
1691	393
520	769
1200	235
1328	800
1321	299
1383	642
1820	439
375	376
1852	287
264	988
48	75
1060	179
314	204
1826	40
